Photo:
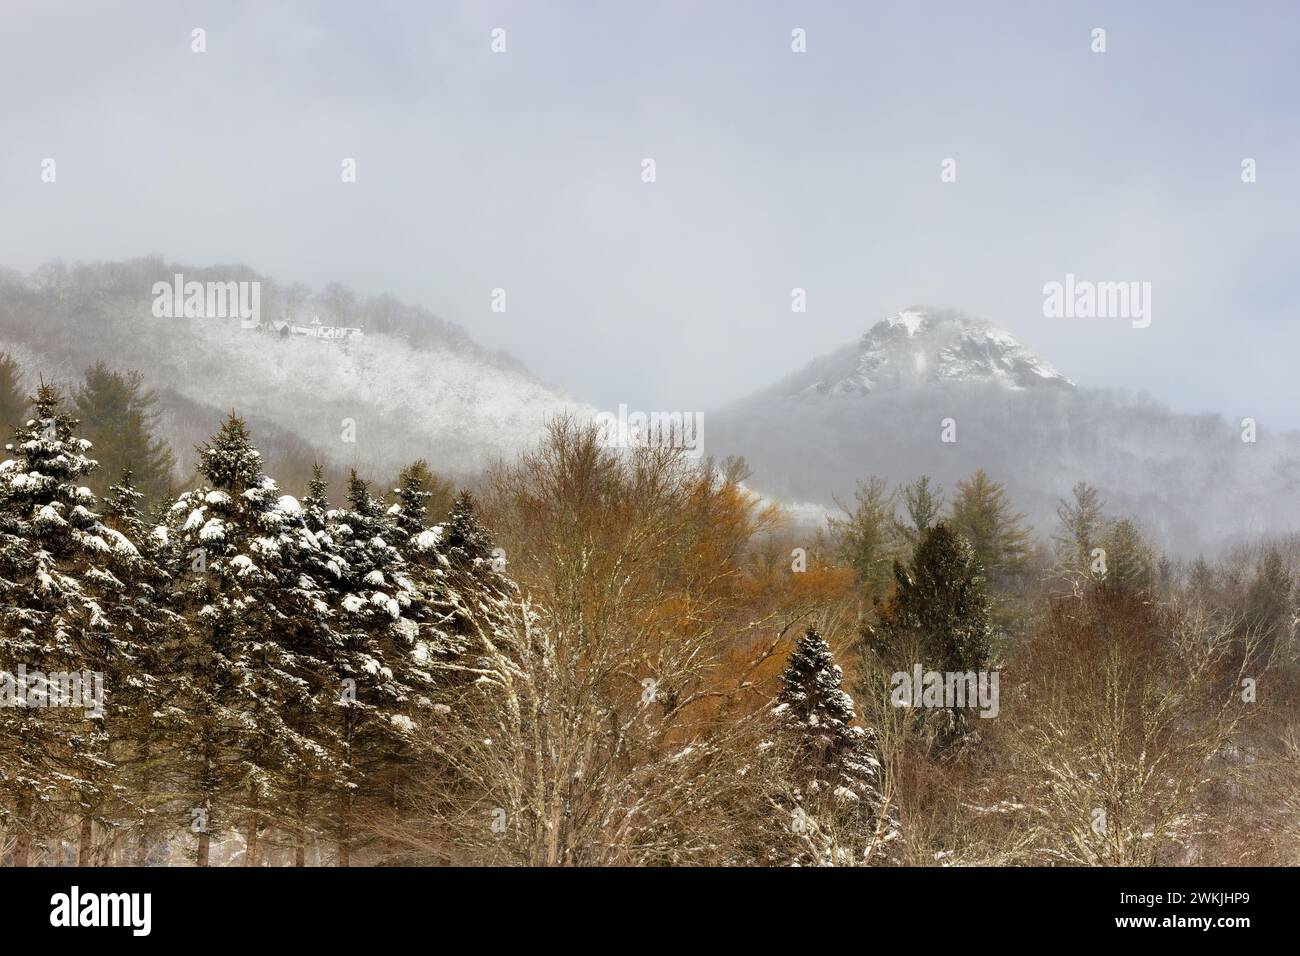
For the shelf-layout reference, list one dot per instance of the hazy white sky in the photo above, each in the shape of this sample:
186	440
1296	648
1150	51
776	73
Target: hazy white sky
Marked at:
820	170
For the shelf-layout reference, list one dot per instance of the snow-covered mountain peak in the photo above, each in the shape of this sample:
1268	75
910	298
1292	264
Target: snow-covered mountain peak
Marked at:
920	346
910	319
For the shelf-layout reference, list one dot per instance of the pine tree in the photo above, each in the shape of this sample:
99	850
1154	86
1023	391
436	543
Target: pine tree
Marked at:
941	599
813	703
867	535
388	634
1082	524
923	503
1130	562
422	496
147	720
316	504
53	549
119	417
13	400
133	639
1202	582
469	546
257	620
982	514
836	770
1269	608
413	499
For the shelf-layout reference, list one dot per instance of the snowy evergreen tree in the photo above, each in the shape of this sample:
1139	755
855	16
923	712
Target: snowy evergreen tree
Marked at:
59	602
468	544
147	720
388	632
413	496
316	503
257	620
839	813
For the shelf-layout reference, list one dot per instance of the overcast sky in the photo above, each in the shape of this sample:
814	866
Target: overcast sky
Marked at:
774	170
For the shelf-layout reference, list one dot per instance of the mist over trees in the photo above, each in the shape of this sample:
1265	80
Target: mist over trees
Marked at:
628	668
119	416
412	380
617	656
1194	482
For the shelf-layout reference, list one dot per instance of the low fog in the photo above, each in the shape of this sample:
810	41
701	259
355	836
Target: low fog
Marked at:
821	170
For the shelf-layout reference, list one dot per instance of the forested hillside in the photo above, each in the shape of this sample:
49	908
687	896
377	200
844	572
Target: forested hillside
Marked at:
940	393
618	656
412	378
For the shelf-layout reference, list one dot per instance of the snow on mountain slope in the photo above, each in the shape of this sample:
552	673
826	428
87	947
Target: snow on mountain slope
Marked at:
921	345
877	406
374	403
406	402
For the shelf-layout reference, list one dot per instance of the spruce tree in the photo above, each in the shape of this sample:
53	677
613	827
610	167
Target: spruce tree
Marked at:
836	774
421	496
147	721
388	633
923	503
13	400
257	622
941	599
1269	607
53	618
316	503
982	513
867	535
469	545
133	637
814	705
1082	524
119	417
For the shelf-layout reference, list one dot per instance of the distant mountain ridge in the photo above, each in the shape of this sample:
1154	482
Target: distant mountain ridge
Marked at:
921	346
877	406
413	386
416	386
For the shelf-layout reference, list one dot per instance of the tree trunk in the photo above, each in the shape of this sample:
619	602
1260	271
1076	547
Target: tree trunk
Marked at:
22	848
345	833
300	851
23	844
250	833
87	843
146	787
205	838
